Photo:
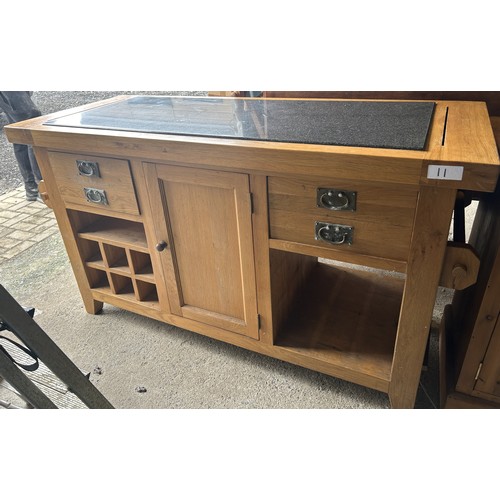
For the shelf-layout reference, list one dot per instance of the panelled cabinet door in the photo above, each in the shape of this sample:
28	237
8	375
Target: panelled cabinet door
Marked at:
203	224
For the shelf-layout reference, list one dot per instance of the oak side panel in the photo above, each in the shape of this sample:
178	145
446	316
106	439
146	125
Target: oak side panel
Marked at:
430	234
495	124
289	273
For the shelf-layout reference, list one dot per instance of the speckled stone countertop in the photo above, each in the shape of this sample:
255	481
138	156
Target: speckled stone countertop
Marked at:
377	124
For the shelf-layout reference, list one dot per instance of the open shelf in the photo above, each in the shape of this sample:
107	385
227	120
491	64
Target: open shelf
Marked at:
341	316
105	294
113	231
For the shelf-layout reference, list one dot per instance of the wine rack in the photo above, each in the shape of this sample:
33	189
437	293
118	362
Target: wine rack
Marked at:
116	258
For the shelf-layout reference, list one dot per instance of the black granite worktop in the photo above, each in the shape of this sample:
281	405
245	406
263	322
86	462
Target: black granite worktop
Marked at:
394	125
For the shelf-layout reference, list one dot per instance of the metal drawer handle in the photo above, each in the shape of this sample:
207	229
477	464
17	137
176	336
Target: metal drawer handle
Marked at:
333	199
326	234
335	234
88	168
97	196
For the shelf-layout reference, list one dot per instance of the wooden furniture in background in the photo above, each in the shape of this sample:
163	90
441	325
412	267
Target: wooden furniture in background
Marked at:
470	333
217	236
491	98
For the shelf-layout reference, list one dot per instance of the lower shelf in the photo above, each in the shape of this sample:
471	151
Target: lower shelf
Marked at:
110	285
347	318
105	294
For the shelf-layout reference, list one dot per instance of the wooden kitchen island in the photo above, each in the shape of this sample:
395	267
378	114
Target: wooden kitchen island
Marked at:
312	231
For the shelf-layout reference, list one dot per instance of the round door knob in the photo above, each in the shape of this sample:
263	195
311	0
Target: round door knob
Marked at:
161	246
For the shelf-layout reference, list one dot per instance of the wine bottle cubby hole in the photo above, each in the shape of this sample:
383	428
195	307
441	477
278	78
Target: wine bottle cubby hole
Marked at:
116	257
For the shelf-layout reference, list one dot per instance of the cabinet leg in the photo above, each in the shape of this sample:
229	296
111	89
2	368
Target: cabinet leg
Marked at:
430	236
93	306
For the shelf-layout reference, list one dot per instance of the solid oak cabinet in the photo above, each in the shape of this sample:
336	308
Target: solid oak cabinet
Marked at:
315	232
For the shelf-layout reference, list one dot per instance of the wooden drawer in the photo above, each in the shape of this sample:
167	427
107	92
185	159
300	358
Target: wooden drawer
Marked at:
109	186
382	220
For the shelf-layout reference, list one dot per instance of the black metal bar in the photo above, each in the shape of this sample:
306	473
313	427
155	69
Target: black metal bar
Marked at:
22	384
459	218
52	356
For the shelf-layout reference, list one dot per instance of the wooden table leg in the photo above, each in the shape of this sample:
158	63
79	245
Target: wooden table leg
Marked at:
56	203
430	236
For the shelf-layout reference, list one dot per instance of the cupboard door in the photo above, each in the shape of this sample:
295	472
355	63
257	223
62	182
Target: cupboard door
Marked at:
204	217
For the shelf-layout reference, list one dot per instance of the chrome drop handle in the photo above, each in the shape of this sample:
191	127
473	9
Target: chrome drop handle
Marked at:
335	237
334	199
88	168
334	234
97	196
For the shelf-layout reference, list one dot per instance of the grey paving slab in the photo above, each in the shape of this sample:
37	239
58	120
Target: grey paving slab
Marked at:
22	223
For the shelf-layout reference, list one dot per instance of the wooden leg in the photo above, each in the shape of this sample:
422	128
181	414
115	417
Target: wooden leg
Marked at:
92	306
430	236
68	233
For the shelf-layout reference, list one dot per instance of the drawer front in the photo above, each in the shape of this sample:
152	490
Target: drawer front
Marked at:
363	218
105	183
